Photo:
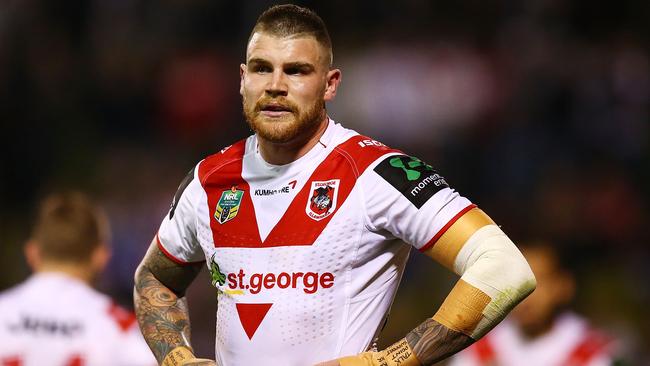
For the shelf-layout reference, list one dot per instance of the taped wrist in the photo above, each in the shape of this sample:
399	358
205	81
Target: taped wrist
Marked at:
399	354
178	356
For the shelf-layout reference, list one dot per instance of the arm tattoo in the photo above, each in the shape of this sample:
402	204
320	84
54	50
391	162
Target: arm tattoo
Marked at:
160	307
432	341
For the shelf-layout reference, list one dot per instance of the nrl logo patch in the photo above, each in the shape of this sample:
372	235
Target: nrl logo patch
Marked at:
322	199
228	205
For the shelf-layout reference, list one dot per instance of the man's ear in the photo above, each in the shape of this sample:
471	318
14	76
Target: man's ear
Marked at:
100	257
333	80
32	255
242	73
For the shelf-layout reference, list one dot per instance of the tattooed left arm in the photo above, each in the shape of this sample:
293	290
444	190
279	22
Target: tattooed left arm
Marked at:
161	307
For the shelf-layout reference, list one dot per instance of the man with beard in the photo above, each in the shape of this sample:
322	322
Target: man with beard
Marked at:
307	226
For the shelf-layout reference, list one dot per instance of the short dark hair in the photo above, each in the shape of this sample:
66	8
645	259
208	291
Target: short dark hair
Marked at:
290	20
69	227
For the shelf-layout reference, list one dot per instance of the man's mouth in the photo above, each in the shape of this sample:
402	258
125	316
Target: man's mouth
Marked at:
275	110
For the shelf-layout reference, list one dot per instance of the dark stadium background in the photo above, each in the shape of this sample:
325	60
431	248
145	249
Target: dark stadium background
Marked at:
539	111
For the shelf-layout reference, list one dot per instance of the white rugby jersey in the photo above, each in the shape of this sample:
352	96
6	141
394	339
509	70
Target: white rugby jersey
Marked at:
570	342
55	320
306	256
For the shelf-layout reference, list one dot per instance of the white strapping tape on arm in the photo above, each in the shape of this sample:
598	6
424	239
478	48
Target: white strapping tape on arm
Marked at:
491	262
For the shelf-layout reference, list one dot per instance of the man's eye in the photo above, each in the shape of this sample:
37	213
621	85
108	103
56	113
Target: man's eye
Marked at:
262	69
297	70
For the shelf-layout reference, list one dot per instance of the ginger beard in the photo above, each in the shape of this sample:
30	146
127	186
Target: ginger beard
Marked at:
285	128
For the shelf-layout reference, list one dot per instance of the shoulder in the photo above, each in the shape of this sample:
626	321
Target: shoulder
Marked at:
215	162
31	290
362	152
100	312
591	342
114	318
11	295
123	319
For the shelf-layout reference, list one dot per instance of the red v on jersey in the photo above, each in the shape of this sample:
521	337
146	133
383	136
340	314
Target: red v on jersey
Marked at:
251	316
221	172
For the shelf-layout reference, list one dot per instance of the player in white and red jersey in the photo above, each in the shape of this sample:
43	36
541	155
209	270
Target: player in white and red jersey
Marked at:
55	318
306	227
541	332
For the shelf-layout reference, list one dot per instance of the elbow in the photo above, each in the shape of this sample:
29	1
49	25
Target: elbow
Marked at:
137	274
140	274
524	281
528	284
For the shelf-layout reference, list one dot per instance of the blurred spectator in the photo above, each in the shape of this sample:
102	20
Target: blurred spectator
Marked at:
542	331
55	317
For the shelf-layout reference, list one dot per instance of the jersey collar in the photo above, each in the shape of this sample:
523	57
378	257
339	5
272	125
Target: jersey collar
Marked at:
323	146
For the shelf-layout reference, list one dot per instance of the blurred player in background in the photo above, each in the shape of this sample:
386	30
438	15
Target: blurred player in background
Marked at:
542	331
306	227
55	317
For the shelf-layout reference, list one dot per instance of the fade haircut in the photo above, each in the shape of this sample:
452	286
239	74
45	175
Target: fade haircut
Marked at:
290	20
69	227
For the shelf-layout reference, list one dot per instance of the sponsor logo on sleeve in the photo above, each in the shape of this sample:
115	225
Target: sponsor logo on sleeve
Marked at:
415	179
179	192
322	199
370	142
228	205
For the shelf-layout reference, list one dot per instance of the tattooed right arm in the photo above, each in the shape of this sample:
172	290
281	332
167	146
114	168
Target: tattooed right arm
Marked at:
160	306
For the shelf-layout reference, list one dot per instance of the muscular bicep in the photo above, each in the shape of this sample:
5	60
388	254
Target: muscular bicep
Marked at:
177	277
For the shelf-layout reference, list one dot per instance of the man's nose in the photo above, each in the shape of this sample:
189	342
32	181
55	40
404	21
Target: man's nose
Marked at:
277	85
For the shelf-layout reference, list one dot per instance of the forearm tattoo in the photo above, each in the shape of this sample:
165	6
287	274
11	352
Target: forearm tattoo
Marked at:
432	342
160	308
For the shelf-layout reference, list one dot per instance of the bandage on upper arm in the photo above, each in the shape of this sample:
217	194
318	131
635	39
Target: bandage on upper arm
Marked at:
494	274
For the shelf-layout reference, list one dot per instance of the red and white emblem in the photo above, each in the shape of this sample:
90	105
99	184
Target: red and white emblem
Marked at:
322	199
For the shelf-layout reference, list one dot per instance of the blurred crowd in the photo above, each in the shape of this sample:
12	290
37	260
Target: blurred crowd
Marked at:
539	111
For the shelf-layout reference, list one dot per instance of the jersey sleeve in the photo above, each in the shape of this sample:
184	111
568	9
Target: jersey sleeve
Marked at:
409	199
177	233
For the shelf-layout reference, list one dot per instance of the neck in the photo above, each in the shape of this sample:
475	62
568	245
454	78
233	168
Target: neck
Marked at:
287	152
79	271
